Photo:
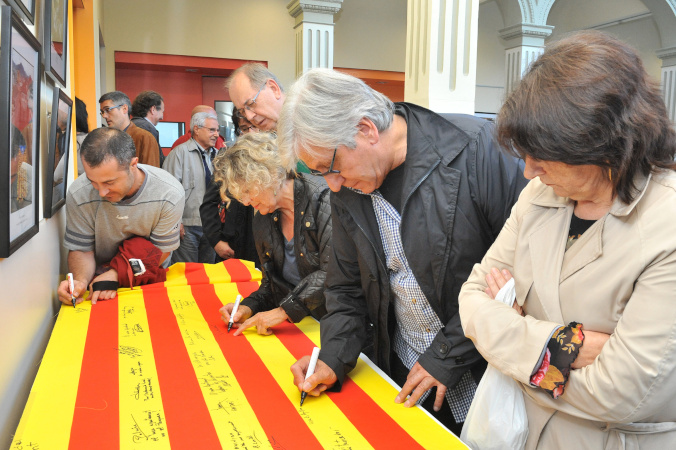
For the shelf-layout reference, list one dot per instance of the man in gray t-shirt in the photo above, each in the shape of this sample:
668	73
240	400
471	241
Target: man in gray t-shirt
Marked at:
117	199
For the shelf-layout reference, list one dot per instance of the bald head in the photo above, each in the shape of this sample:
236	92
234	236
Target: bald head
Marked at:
202	109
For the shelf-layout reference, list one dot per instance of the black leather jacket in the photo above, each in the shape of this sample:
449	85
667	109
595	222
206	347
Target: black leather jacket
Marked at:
312	243
457	192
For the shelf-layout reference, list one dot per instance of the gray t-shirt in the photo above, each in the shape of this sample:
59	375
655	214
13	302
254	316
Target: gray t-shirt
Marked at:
154	212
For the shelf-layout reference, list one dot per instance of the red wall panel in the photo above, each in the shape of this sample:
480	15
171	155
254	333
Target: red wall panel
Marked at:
182	91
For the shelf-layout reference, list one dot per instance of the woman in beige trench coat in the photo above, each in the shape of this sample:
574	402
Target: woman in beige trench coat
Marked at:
591	244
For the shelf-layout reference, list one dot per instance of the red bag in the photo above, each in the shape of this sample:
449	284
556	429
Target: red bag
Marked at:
138	248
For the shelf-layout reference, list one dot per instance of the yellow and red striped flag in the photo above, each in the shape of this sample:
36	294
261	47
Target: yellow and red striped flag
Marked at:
155	368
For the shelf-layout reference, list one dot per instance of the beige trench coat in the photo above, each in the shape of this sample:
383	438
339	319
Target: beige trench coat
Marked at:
618	278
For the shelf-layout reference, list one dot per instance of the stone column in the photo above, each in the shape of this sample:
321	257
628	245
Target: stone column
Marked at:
314	32
524	43
441	54
668	57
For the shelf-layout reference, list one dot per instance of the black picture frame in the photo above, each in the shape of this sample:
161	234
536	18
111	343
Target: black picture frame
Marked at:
20	73
55	27
25	8
58	154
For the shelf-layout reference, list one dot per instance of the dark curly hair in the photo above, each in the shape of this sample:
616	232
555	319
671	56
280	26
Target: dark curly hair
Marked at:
144	101
589	101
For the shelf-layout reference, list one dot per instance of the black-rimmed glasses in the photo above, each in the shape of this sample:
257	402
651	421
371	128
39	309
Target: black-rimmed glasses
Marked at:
330	171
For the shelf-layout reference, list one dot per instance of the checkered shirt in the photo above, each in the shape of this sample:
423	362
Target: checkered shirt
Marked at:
417	323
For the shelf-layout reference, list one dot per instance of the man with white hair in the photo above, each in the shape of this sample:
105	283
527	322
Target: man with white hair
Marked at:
191	164
417	200
257	94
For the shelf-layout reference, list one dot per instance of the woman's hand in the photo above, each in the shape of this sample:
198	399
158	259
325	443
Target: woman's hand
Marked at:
591	348
264	320
495	280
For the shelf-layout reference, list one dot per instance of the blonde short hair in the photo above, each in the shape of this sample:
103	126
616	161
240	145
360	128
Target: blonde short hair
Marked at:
251	166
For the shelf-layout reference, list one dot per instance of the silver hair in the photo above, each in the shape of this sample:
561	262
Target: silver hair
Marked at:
323	110
257	74
200	118
118	98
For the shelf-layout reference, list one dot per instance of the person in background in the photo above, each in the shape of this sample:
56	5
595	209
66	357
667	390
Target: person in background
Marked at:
220	142
115	108
292	233
191	164
147	111
591	246
229	227
258	96
417	200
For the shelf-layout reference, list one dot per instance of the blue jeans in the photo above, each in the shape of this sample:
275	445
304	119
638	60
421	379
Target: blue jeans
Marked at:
194	247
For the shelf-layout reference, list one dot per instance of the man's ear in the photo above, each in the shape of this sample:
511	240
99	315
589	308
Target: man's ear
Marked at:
134	162
369	130
274	87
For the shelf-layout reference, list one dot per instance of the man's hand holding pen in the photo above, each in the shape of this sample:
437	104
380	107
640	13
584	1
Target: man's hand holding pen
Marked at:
64	293
323	378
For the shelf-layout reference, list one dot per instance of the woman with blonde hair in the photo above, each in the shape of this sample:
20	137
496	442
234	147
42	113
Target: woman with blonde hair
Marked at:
292	231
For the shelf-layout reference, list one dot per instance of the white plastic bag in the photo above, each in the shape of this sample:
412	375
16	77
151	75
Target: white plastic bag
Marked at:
497	418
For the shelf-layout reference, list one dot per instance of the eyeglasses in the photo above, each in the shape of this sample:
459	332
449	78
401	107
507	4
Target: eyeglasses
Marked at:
210	130
251	104
107	110
330	171
246	129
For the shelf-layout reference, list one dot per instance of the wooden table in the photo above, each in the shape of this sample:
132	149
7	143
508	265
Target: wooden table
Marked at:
155	368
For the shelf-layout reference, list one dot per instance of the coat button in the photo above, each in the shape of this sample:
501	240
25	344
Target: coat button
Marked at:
267	254
307	224
443	348
301	254
372	277
302	213
275	219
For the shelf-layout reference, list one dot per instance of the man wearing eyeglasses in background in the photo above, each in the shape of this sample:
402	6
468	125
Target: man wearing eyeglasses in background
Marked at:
257	95
220	142
417	200
115	108
191	164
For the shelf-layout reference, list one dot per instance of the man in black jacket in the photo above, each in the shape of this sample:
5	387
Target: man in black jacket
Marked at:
148	110
417	201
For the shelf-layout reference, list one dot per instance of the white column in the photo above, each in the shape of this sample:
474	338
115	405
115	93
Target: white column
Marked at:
668	57
441	52
314	32
525	43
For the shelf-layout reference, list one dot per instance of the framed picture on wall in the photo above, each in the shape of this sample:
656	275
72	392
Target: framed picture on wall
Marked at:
58	154
56	39
19	132
25	8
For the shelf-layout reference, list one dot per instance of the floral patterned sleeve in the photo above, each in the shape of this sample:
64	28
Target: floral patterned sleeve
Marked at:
560	353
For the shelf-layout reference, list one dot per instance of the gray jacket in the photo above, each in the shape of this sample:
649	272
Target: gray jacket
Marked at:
185	163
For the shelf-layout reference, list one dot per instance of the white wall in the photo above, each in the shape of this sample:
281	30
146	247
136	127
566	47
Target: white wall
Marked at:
371	34
28	281
490	72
